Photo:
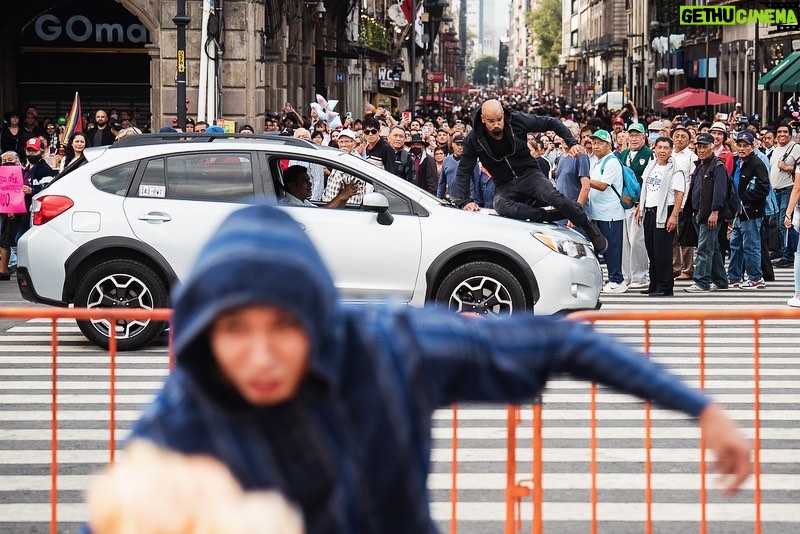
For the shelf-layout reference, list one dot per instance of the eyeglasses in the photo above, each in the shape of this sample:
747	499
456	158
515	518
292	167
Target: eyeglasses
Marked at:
371	131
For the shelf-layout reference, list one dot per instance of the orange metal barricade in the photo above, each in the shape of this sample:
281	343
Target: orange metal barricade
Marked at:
54	314
516	490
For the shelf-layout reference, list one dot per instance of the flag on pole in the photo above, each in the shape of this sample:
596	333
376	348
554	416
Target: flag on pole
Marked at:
74	123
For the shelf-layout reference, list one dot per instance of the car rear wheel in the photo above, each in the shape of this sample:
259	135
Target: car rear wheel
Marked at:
121	284
482	288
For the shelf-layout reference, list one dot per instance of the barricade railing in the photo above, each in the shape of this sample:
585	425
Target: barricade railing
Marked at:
82	314
515	490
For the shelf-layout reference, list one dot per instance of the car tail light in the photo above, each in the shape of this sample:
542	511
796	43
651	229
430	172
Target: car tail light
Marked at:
48	207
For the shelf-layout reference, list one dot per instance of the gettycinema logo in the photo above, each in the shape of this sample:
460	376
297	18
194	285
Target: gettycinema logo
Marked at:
782	17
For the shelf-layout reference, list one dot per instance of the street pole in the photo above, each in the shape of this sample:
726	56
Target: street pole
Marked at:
413	95
707	69
181	21
756	50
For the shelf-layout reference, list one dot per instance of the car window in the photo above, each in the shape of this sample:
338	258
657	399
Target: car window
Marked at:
216	177
336	175
115	180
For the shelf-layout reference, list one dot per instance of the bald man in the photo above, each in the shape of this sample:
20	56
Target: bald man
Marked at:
499	139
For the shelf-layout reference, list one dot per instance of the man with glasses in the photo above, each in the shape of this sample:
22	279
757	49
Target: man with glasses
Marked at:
378	152
784	157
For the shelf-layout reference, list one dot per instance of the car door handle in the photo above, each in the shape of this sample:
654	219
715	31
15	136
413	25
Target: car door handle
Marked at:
302	226
155	217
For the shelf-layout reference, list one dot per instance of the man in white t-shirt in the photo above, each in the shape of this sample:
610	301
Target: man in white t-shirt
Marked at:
659	205
605	207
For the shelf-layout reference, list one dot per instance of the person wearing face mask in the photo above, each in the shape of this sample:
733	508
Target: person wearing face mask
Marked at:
654	131
424	165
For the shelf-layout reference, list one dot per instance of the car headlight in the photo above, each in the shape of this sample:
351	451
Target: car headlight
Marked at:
568	247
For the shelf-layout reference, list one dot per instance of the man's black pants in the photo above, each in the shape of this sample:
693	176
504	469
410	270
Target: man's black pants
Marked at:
658	243
519	200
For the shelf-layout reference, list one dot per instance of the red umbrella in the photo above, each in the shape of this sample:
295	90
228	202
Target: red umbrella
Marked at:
675	94
696	98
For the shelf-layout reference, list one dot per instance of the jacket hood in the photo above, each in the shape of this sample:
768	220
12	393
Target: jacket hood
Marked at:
258	255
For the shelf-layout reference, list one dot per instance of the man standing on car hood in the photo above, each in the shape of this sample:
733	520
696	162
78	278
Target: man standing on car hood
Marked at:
499	139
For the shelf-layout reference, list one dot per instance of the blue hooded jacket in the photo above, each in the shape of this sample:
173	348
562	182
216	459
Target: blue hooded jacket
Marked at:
352	449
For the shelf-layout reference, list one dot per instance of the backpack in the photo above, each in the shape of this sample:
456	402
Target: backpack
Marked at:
733	204
630	186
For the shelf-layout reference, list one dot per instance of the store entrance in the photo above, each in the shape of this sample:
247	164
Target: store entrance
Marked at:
94	48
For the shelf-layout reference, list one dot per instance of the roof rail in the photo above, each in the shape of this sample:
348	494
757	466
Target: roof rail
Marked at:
203	137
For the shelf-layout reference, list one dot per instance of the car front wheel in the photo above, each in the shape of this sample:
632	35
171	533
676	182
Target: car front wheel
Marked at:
482	288
121	284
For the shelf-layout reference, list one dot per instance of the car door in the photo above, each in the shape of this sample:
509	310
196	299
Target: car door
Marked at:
179	200
368	260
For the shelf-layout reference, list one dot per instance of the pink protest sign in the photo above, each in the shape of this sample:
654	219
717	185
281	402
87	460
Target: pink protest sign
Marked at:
12	199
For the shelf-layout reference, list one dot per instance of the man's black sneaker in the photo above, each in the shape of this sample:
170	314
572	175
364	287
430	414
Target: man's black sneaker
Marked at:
783	262
598	240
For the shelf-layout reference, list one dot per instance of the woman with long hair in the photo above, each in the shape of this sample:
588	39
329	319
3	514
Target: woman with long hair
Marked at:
438	157
74	150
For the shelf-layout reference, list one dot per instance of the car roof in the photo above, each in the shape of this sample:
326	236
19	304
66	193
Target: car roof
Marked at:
191	137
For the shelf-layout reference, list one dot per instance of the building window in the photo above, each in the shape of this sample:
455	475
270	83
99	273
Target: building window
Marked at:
573	38
574	8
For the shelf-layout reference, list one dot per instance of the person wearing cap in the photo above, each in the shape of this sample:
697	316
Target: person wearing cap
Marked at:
605	179
499	139
654	130
450	167
424	165
783	164
635	266
617	125
709	185
339	179
247	129
752	182
685	160
36	174
657	212
720	133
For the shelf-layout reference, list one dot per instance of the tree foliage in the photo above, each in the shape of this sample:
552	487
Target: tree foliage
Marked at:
484	65
544	24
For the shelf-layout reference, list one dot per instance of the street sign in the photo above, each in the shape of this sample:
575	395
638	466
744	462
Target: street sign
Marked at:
387	84
340	77
435	77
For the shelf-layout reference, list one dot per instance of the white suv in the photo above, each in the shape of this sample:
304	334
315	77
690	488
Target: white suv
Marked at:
122	229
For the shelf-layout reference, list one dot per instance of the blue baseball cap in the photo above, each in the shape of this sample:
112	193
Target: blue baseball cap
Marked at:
747	137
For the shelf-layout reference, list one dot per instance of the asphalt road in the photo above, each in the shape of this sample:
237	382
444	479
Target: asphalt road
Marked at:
83	428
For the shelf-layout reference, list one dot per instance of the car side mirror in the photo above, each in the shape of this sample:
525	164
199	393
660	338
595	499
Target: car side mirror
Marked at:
378	203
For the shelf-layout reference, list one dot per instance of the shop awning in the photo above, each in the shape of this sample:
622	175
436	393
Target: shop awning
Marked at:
784	77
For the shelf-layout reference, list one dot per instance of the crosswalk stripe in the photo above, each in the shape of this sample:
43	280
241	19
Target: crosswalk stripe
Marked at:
83	373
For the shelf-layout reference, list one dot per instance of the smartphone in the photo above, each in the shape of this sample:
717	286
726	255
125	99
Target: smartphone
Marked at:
722	116
349	115
407	116
425	130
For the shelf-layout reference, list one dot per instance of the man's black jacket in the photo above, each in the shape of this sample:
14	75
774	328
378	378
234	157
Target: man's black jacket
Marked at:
504	169
753	186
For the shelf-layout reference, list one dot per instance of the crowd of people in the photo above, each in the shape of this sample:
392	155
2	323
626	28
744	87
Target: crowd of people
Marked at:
673	230
557	167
